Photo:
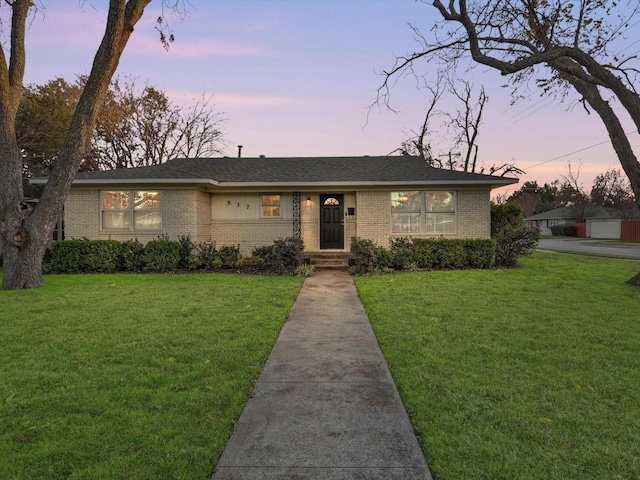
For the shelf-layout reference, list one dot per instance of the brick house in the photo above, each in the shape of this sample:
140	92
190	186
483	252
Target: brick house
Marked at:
253	201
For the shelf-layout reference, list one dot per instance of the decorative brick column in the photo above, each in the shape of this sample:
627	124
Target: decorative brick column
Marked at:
297	215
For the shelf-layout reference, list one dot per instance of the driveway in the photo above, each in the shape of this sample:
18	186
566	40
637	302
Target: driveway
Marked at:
609	248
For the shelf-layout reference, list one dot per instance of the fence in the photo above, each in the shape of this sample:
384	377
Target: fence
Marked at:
630	231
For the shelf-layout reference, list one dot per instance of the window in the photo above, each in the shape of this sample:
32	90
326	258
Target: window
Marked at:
131	210
423	212
270	205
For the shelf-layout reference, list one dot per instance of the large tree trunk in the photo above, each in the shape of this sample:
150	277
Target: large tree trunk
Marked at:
25	234
619	140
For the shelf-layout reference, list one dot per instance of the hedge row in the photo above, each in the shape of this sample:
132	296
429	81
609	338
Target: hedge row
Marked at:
421	253
162	255
563	230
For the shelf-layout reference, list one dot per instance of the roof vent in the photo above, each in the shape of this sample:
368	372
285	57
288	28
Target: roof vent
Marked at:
239	151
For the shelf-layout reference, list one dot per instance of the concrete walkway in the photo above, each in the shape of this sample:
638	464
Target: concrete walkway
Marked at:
325	406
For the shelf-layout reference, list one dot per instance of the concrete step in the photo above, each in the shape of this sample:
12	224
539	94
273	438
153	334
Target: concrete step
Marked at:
328	260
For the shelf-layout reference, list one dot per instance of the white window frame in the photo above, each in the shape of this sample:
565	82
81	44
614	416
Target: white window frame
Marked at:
129	211
425	212
270	205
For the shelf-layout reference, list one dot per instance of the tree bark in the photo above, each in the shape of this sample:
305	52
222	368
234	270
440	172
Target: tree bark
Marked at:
25	234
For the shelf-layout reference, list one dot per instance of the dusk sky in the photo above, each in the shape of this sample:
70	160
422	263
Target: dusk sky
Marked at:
296	78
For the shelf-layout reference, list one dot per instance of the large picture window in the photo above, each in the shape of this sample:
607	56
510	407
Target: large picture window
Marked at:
270	204
131	210
417	212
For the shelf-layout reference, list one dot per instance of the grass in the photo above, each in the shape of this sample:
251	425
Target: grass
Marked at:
524	373
131	376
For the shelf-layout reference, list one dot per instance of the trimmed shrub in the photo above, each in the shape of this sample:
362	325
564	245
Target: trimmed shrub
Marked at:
104	256
229	255
369	257
132	255
287	253
563	230
187	246
513	238
85	256
266	253
481	252
206	255
436	254
161	255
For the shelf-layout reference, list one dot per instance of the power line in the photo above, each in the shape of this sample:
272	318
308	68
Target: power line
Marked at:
576	151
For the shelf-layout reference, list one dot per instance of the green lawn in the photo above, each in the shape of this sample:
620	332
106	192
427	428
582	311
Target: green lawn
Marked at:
131	376
525	373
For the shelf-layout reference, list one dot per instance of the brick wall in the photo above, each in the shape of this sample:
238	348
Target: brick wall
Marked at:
184	211
250	233
473	215
190	211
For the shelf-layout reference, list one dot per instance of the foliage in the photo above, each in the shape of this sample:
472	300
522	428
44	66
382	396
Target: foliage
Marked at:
265	252
132	376
161	255
304	270
287	253
563	230
26	232
368	256
78	256
513	239
135	127
503	377
612	190
421	253
44	116
133	255
229	255
437	254
187	247
206	255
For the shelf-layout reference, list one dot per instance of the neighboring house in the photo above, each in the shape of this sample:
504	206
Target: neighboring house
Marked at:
253	201
564	216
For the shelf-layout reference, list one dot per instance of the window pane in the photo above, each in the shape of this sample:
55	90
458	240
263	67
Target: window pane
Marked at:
146	200
270	200
147	220
405	201
440	223
115	200
270	211
405	223
331	201
439	201
116	220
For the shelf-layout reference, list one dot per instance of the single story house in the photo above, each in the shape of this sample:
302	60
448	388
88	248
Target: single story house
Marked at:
251	202
565	216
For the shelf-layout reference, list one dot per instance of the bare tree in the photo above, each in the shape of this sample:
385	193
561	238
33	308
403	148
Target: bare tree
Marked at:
463	125
571	42
24	230
145	128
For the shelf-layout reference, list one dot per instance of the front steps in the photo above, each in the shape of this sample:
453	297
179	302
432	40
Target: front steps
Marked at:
328	260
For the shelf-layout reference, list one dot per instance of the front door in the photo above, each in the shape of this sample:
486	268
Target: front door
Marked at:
331	222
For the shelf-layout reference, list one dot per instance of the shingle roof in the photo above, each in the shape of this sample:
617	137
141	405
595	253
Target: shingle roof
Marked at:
592	211
303	170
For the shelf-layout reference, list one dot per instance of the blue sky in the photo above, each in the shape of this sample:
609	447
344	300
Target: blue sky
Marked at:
296	78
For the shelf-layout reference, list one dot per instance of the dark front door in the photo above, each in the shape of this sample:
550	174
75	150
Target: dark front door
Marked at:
331	221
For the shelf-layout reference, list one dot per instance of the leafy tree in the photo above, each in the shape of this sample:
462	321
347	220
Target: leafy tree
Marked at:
25	230
139	128
44	116
134	127
513	238
563	46
612	190
534	198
